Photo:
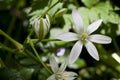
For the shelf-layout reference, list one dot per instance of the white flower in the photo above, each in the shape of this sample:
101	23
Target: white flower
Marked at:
84	37
60	73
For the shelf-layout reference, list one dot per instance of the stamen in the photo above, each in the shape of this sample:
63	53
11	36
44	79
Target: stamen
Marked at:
84	36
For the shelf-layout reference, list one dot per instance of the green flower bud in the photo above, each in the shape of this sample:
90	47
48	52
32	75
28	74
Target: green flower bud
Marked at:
42	26
61	12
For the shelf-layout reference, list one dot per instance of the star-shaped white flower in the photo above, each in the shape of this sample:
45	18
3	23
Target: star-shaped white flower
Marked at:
84	37
59	72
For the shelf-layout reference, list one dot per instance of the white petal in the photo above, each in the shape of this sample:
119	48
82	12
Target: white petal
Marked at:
94	26
45	27
75	52
71	75
69	36
92	50
77	21
53	64
63	66
36	25
52	77
100	39
48	20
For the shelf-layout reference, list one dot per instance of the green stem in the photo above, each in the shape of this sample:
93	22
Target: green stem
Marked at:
31	55
115	44
7	48
37	55
2	46
17	44
50	8
44	40
26	40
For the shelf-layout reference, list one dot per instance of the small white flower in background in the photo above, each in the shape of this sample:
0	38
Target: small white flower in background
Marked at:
83	37
41	26
59	73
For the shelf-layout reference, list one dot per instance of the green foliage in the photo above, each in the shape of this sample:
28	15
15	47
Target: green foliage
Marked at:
90	3
10	74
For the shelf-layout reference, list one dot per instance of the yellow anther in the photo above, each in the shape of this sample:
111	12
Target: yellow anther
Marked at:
84	36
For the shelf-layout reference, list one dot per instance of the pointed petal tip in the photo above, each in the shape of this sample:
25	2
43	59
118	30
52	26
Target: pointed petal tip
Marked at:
92	50
75	52
97	59
100	20
101	39
74	10
110	40
94	26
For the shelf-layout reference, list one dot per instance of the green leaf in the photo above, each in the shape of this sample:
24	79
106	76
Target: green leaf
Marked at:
114	18
104	7
28	62
39	4
61	12
55	8
10	74
27	73
68	22
93	15
90	3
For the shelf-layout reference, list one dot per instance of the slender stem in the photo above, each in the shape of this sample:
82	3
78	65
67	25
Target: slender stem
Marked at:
50	8
37	55
115	44
17	44
31	55
26	40
2	46
44	40
7	48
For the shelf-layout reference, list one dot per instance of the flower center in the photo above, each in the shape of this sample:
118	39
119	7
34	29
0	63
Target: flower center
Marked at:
84	36
62	75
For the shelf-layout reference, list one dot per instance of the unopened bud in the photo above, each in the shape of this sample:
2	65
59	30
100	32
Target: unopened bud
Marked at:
61	12
41	27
